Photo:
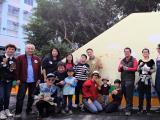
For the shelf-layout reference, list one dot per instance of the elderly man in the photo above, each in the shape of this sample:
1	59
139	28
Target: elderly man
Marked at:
28	74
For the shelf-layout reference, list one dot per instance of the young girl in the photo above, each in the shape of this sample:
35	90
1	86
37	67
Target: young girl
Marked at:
69	83
69	61
146	68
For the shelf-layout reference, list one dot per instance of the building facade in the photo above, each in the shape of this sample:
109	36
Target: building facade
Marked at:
14	14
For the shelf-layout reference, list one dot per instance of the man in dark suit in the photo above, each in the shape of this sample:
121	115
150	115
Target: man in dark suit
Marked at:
28	75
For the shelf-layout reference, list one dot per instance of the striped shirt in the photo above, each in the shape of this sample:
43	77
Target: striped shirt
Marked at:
81	71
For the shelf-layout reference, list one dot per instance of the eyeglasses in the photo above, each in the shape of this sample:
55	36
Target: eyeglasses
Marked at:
50	79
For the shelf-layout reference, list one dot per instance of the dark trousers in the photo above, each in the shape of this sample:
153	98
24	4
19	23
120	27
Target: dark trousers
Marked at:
69	105
128	89
5	92
111	107
144	90
78	91
21	95
44	108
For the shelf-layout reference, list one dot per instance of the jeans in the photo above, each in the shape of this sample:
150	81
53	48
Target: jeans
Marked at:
5	92
142	90
93	107
128	89
105	99
21	95
69	105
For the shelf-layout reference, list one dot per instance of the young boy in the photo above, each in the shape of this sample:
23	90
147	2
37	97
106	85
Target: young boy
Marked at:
46	98
60	74
81	74
104	90
116	96
69	83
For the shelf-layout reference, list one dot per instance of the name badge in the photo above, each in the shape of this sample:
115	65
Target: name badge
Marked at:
35	61
10	62
50	62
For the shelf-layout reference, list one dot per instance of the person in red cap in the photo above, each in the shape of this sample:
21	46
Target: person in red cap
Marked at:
90	93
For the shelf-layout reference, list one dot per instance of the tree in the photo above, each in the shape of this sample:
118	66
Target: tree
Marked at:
69	24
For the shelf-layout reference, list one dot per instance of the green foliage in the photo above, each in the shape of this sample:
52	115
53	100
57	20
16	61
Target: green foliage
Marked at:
67	23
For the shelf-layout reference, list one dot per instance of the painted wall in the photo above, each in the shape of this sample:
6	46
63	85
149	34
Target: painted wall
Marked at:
137	31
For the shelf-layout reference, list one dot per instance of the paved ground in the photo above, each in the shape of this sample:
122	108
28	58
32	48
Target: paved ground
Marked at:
87	116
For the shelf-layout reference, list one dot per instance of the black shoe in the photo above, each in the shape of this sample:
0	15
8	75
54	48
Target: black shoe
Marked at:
140	112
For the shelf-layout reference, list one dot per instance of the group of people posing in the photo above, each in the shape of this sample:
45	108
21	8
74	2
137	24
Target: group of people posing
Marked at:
52	85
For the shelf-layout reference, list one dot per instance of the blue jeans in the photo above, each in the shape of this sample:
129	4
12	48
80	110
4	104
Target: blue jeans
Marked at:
105	99
69	103
94	107
5	92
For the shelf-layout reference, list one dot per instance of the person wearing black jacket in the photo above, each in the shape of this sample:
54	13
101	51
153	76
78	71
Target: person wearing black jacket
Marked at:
7	75
117	98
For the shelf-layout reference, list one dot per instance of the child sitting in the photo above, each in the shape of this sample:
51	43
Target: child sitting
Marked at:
116	96
104	90
69	83
46	99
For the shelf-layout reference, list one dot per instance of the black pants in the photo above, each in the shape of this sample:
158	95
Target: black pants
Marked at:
144	90
111	107
69	105
21	95
44	108
128	89
5	92
78	91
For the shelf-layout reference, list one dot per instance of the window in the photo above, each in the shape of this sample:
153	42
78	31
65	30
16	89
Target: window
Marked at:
13	10
28	2
26	15
11	25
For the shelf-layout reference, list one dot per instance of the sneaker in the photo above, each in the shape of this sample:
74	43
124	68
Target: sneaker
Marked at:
70	112
17	115
63	112
8	113
3	115
75	106
128	113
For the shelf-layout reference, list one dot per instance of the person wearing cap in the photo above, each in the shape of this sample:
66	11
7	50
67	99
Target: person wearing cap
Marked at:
7	75
69	84
28	75
116	98
90	93
104	91
157	81
128	67
46	99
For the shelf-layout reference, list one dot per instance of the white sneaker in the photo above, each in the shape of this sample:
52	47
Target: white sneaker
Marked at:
3	115
8	113
17	115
